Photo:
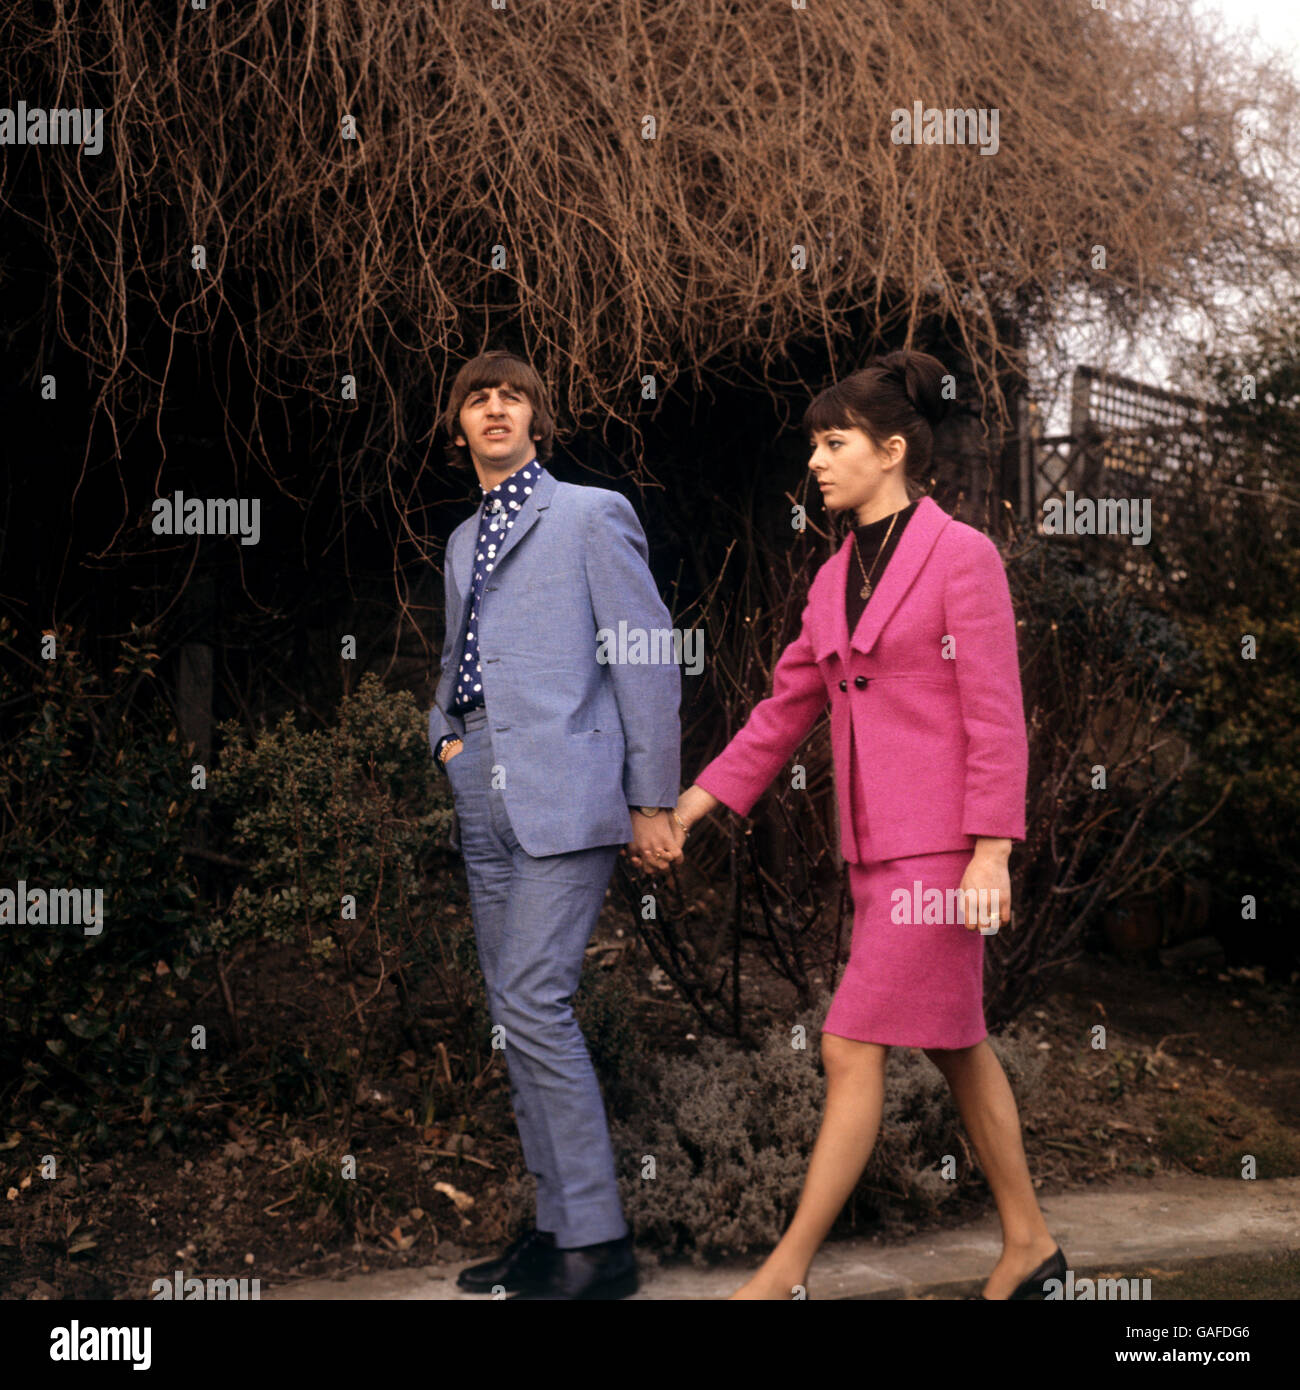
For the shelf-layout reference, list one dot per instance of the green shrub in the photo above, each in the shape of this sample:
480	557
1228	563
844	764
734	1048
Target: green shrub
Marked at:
1248	711
339	834
605	1005
350	809
1241	552
93	793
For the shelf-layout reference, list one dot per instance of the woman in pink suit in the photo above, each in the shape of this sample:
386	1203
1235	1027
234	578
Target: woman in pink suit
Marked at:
910	636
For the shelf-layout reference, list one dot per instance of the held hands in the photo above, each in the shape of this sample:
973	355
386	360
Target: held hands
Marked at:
656	841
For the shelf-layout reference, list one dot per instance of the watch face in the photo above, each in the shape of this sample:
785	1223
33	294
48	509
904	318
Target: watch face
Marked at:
649	810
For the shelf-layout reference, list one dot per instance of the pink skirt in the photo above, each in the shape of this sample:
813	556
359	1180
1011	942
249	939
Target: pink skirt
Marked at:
915	976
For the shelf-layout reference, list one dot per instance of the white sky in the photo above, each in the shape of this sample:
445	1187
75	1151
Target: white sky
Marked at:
1278	21
1276	26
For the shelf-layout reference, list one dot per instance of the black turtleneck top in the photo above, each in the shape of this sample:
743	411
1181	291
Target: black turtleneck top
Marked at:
869	540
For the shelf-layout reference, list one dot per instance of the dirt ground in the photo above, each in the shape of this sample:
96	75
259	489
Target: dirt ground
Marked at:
1199	1068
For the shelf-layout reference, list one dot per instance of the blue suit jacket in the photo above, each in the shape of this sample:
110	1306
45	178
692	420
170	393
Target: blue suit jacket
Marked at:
575	740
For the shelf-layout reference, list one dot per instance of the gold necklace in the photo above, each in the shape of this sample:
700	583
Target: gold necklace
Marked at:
865	591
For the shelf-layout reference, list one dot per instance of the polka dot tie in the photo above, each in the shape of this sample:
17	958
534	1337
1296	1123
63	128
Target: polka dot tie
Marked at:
501	506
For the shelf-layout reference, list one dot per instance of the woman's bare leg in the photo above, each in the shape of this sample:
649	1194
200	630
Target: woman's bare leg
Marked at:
988	1110
855	1095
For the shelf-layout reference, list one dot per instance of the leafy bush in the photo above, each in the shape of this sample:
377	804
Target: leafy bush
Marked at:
606	1010
1251	740
336	834
345	810
93	793
1240	543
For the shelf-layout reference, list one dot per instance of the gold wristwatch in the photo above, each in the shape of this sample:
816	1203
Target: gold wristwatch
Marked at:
649	810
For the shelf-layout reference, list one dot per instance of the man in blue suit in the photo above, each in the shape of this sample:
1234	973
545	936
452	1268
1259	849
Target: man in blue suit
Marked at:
556	757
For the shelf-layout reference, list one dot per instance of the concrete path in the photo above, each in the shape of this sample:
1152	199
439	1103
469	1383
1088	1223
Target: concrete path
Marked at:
1112	1228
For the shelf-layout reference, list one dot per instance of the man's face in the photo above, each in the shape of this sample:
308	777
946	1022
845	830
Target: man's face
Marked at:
494	427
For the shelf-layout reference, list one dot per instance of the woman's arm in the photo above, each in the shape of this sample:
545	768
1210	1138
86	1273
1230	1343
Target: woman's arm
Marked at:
694	804
740	774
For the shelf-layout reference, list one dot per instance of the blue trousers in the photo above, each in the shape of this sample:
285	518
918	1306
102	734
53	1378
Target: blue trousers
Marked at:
533	918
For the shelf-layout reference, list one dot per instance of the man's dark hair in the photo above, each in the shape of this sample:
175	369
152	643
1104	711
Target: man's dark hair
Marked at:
498	368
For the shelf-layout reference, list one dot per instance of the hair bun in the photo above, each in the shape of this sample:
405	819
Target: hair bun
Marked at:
921	377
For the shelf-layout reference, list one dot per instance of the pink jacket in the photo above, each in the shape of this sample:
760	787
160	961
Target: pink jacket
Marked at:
928	688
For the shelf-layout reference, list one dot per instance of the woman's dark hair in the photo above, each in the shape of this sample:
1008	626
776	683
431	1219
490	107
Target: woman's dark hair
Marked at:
498	368
900	393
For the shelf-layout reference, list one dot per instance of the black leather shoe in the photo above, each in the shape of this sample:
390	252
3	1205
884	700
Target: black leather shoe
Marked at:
1053	1267
607	1270
523	1264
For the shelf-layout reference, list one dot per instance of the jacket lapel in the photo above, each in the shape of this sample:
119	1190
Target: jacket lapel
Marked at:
830	633
462	556
910	554
909	557
534	504
466	536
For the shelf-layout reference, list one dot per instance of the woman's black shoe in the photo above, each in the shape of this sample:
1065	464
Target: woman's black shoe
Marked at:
524	1264
1053	1267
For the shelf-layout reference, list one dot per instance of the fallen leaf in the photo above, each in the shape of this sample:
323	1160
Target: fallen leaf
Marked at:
398	1241
462	1200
